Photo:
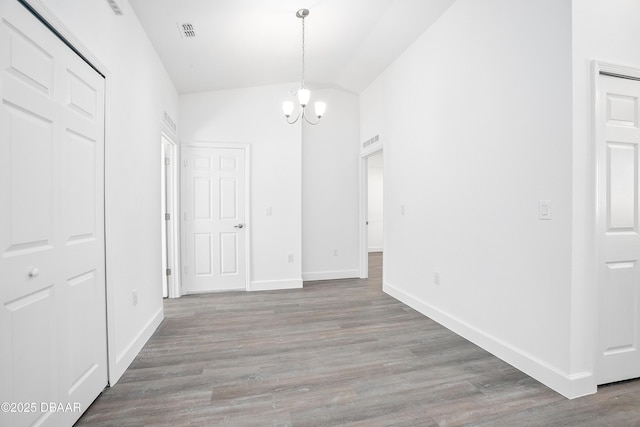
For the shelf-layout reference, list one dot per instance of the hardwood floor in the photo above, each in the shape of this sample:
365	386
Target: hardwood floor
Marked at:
335	353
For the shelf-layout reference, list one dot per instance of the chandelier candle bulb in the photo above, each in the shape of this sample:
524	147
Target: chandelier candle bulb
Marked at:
320	108
287	108
303	97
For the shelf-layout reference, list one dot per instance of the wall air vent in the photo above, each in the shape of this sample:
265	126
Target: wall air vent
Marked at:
187	31
370	141
114	6
170	123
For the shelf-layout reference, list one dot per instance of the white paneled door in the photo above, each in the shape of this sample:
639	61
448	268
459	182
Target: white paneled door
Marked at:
214	219
618	139
53	355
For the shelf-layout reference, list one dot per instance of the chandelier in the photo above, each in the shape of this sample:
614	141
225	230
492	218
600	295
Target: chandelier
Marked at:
303	94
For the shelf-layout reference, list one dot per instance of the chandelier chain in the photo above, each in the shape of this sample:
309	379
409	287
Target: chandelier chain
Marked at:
303	52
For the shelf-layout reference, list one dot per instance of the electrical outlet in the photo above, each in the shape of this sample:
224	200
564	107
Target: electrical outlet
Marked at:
436	278
135	297
290	258
402	210
268	211
335	252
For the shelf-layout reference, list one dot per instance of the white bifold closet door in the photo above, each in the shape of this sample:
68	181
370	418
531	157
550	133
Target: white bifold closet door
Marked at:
618	152
53	355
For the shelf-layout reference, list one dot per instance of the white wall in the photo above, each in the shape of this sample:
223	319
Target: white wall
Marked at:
254	116
307	176
609	32
330	190
477	118
375	200
138	92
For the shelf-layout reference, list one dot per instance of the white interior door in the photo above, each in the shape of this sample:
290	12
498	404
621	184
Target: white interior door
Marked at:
214	219
618	136
52	264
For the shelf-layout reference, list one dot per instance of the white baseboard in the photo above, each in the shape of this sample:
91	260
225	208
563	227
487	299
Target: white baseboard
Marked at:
126	356
273	285
331	275
568	385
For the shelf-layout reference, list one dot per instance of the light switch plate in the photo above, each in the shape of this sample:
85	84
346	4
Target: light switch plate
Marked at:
544	209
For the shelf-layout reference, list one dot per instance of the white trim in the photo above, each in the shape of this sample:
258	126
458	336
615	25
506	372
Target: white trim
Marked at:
569	385
274	285
374	249
623	71
127	356
60	27
247	197
598	222
364	209
330	275
175	290
216	291
161	213
110	251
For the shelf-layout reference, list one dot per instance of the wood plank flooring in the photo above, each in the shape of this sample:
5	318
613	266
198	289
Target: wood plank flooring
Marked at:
336	353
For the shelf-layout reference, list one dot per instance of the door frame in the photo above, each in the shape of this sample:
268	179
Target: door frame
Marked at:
173	253
364	208
601	68
247	198
59	28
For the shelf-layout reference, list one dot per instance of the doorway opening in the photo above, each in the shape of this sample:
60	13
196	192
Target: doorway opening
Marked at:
375	216
372	213
169	212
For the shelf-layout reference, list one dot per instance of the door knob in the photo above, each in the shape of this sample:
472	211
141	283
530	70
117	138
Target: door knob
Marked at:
239	226
34	272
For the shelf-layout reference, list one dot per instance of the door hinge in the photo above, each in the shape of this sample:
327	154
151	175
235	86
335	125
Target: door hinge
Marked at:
167	216
168	272
167	161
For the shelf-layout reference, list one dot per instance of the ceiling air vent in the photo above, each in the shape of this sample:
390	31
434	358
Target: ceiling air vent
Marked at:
114	6
186	30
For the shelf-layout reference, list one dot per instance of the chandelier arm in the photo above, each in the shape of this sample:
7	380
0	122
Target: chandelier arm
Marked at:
304	116
297	118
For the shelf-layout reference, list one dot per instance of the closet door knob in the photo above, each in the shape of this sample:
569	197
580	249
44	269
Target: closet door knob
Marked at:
34	272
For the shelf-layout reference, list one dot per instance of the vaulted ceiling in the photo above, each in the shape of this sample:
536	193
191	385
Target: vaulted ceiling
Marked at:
243	43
